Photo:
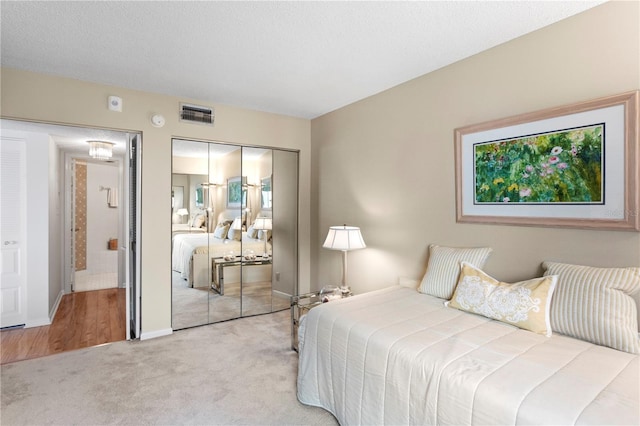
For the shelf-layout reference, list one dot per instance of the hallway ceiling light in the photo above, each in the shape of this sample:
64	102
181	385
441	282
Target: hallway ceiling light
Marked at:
100	150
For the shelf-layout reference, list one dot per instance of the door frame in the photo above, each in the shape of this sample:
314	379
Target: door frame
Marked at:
132	283
70	159
132	182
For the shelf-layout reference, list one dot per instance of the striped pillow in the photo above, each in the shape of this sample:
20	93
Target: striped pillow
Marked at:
594	304
443	268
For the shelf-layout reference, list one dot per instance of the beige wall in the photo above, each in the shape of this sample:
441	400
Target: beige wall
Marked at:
38	97
386	163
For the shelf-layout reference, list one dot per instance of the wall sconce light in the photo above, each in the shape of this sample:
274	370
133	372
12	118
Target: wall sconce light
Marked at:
100	150
344	238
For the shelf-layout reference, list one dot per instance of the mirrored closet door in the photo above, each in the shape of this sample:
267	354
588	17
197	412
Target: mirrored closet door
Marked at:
234	231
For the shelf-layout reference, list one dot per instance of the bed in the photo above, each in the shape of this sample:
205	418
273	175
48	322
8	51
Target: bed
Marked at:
400	356
192	253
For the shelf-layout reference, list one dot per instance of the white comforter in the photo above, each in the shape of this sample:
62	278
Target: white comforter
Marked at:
396	356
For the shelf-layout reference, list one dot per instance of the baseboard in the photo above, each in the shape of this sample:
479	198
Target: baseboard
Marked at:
156	333
280	294
56	305
38	322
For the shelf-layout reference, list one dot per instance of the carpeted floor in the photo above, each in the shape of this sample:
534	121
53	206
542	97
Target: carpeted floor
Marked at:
201	305
236	372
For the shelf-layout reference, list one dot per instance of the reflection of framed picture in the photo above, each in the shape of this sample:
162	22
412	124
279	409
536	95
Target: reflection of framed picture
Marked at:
177	198
236	193
573	166
199	197
265	193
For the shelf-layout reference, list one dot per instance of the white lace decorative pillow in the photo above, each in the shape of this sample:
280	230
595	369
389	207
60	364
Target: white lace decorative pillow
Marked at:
525	304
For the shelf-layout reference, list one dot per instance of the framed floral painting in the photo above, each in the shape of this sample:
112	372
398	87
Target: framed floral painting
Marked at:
572	166
236	192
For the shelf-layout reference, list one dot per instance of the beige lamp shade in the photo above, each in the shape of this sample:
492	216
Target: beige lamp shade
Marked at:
182	213
263	223
344	238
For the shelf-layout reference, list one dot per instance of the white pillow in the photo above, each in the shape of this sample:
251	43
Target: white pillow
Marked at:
234	234
261	234
252	233
443	268
221	231
594	304
198	221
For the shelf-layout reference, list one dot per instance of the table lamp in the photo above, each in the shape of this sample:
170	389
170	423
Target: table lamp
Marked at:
263	224
182	213
344	238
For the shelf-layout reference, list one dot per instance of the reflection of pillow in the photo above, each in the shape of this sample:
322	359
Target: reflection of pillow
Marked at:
252	233
261	234
594	304
221	231
525	304
443	268
198	221
234	234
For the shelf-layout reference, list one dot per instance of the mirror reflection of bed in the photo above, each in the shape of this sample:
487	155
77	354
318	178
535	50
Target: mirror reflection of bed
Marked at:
227	192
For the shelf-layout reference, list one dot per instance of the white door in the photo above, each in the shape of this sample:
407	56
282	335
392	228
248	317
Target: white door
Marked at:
12	232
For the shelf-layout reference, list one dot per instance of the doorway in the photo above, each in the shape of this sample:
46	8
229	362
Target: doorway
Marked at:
96	188
111	255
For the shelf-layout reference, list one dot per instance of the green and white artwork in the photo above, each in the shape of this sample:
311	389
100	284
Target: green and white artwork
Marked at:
562	166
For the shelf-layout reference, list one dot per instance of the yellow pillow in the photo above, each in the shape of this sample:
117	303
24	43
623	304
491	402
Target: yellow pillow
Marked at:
525	304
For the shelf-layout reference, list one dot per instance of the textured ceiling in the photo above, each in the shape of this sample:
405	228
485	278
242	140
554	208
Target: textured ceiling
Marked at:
298	58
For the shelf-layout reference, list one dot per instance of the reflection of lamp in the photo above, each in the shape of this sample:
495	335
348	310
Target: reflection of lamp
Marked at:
263	224
344	238
182	212
100	150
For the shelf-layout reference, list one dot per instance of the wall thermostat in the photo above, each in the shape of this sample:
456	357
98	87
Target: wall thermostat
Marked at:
157	120
115	103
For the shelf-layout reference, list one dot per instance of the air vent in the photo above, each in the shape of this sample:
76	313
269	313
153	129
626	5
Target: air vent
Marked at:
196	114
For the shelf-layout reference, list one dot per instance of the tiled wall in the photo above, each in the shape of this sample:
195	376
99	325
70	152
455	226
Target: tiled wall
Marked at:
81	216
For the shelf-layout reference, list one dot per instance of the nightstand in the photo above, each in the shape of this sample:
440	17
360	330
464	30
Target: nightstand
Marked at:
218	265
301	305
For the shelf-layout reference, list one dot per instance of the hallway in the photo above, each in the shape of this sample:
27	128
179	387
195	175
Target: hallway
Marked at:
83	319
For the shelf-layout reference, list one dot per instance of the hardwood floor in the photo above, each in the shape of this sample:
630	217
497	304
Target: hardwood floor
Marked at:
83	319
